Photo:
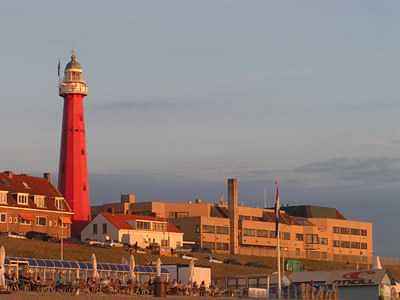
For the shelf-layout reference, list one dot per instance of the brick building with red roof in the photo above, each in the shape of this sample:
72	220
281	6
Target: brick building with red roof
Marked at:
133	229
29	203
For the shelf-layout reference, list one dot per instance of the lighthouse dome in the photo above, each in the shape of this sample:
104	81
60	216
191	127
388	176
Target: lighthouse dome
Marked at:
73	64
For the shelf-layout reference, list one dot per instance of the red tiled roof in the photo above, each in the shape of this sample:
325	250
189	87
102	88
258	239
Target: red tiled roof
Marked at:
121	221
22	183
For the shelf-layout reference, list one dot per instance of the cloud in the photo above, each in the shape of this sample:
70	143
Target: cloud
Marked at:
372	171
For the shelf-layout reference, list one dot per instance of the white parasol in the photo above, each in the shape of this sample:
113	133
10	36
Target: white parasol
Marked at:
191	271
158	267
132	265
95	273
2	268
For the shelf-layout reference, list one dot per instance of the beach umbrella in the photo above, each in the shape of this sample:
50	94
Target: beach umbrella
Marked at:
2	267
377	264
191	271
158	267
132	265
95	273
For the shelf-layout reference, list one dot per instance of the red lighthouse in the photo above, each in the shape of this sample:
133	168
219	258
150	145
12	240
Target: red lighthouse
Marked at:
73	171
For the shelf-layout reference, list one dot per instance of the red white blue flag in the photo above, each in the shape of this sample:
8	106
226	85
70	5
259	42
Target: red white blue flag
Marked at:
277	209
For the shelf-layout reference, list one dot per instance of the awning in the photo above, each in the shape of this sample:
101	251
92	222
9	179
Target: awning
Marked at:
65	220
27	216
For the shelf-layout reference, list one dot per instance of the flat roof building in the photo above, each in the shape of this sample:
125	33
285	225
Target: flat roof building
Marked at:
307	231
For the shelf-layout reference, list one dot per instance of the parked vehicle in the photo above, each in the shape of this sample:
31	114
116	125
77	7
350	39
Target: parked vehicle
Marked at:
38	236
14	235
256	264
232	261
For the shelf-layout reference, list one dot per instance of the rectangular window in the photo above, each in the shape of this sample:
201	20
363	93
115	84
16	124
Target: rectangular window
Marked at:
143	225
104	228
336	244
162	227
222	246
22	199
94	228
59	203
312	239
363	232
222	229
208	245
262	233
24	222
164	243
355	245
182	214
41	221
355	231
197	229
323	241
249	232
364	246
39	201
299	237
208	228
344	230
345	244
336	229
3	218
272	234
285	236
3	197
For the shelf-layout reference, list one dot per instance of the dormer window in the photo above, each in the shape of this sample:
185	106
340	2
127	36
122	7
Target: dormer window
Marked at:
22	199
39	201
3	197
59	203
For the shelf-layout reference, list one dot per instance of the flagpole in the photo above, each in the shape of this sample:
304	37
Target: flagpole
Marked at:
278	258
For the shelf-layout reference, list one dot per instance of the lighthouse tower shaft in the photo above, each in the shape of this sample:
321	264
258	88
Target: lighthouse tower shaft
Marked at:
73	180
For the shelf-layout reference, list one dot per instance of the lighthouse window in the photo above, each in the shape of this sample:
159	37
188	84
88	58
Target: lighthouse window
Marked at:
83	151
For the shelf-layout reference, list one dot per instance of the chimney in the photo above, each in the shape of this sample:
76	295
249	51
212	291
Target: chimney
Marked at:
47	176
9	174
233	200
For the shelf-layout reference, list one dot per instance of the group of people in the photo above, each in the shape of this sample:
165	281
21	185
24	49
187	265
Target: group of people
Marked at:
29	281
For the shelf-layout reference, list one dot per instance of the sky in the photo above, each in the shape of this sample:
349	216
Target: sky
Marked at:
183	94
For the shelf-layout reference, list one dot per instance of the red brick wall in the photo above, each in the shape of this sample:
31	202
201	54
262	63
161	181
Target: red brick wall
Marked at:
52	228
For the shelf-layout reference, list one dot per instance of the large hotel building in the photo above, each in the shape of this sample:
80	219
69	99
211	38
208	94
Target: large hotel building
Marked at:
310	232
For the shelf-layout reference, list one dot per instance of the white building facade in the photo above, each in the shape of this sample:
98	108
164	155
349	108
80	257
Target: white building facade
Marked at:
133	230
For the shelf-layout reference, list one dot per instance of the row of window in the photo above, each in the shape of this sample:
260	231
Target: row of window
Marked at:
23	199
39	221
265	233
350	231
348	244
216	246
215	229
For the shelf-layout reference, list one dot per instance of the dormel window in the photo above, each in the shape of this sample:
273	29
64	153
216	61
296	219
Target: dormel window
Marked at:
22	199
3	197
59	203
39	201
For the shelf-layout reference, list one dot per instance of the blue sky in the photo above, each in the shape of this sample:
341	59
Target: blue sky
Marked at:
186	93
